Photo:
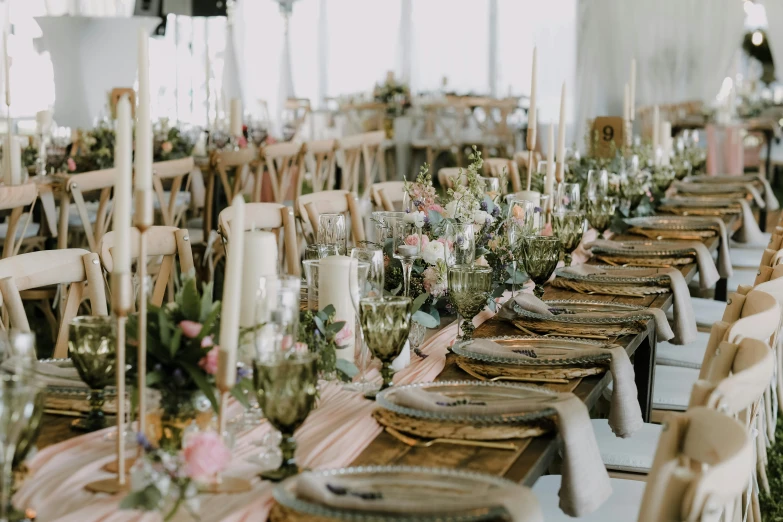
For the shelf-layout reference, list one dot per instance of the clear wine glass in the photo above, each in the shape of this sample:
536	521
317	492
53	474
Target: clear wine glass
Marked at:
597	183
460	244
331	231
567	197
407	249
366	279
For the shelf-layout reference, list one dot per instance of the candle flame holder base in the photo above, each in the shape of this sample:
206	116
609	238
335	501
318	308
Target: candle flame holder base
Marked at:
114	466
111	486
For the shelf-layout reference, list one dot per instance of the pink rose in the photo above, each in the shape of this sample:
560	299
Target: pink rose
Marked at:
301	348
205	455
71	165
190	329
343	336
166	147
437	208
413	240
209	363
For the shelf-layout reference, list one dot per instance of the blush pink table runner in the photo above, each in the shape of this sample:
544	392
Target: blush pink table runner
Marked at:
333	436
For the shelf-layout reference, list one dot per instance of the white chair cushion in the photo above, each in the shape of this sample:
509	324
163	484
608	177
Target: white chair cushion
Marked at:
746	257
32	229
758	246
672	389
622	506
707	311
687	356
634	453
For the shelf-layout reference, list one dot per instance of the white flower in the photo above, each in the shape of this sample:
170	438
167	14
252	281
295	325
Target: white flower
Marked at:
416	218
451	209
481	261
433	252
480	217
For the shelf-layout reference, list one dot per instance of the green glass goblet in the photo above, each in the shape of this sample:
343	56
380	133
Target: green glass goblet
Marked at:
286	388
386	323
92	347
568	227
469	288
600	211
539	259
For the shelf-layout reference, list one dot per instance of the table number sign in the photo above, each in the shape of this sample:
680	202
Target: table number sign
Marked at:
607	130
115	96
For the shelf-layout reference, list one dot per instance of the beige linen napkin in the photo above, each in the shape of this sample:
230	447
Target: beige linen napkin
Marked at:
718	188
685	327
533	304
354	494
585	484
770	200
625	415
708	273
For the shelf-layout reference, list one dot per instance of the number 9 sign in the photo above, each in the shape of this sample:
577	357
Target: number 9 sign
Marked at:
607	133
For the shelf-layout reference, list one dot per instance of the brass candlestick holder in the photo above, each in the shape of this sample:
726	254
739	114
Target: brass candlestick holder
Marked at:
121	306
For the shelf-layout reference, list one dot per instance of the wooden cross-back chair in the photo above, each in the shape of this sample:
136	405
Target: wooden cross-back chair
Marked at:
28	272
244	161
387	195
274	217
19	229
166	242
362	153
171	207
74	187
319	159
283	162
311	206
494	168
449	177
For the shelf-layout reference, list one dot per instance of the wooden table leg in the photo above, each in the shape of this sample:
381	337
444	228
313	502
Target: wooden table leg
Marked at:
644	368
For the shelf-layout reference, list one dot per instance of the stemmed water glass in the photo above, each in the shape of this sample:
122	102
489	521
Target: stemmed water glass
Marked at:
600	211
460	244
567	197
320	251
492	187
92	347
386	323
597	183
407	249
331	231
469	288
569	227
541	254
366	280
286	387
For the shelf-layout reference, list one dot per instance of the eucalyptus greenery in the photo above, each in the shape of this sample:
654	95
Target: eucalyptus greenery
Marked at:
318	330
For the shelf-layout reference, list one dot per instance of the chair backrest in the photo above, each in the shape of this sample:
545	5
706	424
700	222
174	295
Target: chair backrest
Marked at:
175	170
268	216
494	167
73	267
386	194
283	163
17	199
75	186
702	464
310	206
449	177
362	152
242	161
168	242
319	158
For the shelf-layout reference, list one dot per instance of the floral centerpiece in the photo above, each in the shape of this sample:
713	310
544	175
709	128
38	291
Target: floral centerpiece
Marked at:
397	99
321	334
170	143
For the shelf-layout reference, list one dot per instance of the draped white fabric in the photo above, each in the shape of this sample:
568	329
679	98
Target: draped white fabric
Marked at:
683	48
774	10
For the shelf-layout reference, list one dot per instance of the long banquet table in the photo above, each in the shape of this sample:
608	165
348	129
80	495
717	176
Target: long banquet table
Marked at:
339	432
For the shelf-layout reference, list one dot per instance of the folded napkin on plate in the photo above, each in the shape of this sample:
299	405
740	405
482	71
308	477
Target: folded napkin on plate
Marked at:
421	399
708	273
535	305
354	494
718	188
770	200
749	232
585	484
625	415
685	327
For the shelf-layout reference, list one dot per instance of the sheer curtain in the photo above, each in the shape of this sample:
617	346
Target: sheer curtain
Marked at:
774	10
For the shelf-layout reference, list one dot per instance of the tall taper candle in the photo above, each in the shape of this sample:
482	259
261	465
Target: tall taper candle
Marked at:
236	117
122	188
632	98
15	151
549	182
627	103
7	67
656	131
232	292
531	113
561	132
143	121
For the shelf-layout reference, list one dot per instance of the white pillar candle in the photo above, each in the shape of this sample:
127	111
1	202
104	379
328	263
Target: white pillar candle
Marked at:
236	117
627	103
12	159
232	292
549	182
260	260
530	195
143	121
531	113
656	132
665	139
122	188
44	121
334	289
632	98
561	132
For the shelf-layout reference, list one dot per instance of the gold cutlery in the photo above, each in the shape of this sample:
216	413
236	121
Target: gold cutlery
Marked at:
64	413
514	378
421	443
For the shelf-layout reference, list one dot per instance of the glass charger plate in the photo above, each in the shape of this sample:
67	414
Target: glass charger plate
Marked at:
404	483
565	310
670	223
539	351
629	248
530	402
614	279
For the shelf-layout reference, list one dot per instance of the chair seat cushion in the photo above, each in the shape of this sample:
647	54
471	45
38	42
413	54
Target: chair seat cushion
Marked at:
687	356
746	257
634	453
622	506
759	246
32	230
672	389
742	276
707	311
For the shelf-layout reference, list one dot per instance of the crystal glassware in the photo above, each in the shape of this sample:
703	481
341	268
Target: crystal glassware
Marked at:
331	231
522	214
600	211
597	183
92	347
407	249
469	288
460	244
539	259
416	337
320	251
568	227
492	187
567	197
310	267
386	322
633	188
286	389
384	225
365	280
